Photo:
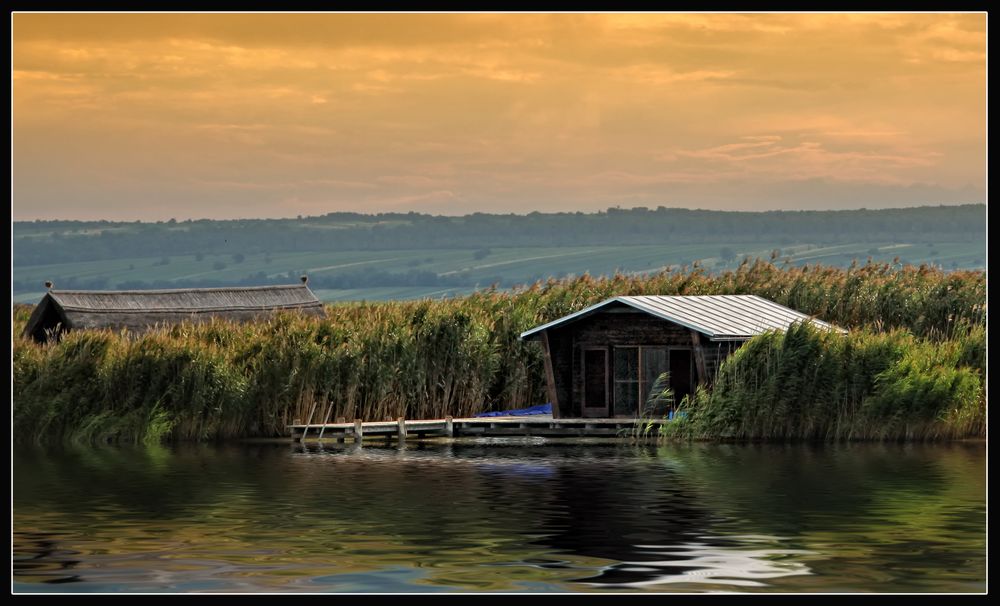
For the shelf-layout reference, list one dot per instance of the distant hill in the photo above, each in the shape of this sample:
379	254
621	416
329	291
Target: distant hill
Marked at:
440	254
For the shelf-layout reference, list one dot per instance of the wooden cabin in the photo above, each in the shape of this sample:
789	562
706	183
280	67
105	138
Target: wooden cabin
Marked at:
603	361
139	310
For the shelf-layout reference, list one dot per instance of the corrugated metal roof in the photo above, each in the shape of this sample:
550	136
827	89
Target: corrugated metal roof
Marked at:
719	317
189	299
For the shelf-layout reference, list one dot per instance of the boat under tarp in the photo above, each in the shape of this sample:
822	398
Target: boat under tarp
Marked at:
541	409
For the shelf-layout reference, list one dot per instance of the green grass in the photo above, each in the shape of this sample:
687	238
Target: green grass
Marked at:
515	265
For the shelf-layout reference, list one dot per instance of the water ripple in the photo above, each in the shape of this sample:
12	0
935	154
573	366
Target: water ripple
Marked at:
500	516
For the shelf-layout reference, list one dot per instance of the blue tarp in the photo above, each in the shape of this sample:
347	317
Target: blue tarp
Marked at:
541	409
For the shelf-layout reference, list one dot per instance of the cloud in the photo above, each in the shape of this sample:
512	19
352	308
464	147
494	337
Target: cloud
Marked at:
214	113
770	158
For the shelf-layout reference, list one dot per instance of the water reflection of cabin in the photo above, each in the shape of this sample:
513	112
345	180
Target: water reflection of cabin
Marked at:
603	361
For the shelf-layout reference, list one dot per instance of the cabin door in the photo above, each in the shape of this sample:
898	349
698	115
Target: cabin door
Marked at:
595	383
627	383
680	374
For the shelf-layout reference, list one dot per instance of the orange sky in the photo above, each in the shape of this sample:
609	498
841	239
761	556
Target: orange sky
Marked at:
151	116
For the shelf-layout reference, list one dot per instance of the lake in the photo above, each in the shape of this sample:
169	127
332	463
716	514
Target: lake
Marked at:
500	516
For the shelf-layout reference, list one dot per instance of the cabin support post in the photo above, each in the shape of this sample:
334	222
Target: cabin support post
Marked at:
449	427
699	357
401	432
550	377
359	431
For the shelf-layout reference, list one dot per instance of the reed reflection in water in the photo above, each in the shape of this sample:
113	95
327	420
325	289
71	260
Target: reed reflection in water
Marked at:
504	515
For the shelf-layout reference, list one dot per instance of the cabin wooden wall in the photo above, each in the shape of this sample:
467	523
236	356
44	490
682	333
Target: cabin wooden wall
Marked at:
618	327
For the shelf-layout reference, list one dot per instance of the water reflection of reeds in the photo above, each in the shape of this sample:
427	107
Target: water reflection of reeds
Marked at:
501	518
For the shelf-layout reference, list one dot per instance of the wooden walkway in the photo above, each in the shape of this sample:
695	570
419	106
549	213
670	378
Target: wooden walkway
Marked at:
472	427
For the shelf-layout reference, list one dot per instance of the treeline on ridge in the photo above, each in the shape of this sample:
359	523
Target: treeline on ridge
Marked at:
40	242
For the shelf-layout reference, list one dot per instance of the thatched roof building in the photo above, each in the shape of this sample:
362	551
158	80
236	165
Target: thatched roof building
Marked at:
139	310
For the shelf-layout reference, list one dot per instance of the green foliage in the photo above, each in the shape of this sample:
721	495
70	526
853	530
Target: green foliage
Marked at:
811	384
661	396
913	366
218	380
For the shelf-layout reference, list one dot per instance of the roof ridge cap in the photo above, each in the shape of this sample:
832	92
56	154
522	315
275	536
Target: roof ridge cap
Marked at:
175	290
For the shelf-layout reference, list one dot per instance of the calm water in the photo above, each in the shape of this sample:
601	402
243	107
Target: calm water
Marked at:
514	516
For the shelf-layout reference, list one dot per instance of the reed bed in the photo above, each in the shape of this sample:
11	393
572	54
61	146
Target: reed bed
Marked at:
917	344
808	384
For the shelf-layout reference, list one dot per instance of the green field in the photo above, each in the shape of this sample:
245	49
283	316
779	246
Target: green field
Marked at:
329	295
472	269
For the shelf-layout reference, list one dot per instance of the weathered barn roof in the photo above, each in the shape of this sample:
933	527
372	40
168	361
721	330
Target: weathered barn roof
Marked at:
719	317
139	309
186	299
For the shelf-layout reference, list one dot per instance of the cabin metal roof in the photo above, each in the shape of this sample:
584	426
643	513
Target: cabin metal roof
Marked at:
719	317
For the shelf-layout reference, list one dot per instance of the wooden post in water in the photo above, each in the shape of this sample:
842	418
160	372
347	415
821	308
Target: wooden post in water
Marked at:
326	419
449	427
359	431
305	430
401	434
341	437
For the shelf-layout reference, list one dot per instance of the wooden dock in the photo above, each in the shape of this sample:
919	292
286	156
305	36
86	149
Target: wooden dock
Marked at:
403	429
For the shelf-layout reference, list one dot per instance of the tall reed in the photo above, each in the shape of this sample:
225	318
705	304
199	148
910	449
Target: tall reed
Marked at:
806	383
431	358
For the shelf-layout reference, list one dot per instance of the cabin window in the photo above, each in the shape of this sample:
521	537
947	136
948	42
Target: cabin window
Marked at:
636	370
626	381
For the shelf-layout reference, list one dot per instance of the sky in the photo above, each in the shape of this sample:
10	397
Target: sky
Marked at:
158	116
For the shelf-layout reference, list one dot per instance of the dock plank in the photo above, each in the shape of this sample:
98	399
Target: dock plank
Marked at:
476	426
